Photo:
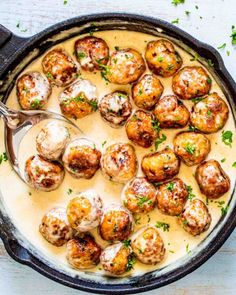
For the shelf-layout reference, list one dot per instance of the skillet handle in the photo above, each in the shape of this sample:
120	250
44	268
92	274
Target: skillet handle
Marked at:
9	44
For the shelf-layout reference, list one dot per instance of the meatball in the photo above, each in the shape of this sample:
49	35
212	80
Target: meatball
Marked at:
212	180
33	91
171	112
195	218
115	259
160	166
191	82
115	108
81	158
119	162
83	252
59	67
191	147
42	174
162	59
210	114
125	66
172	196
139	196
147	91
148	245
55	228
84	211
79	99
52	139
116	223
140	129
91	52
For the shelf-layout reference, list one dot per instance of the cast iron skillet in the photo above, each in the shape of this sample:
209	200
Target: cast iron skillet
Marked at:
14	50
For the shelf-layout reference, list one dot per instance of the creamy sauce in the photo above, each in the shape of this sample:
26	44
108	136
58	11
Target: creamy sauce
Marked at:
26	206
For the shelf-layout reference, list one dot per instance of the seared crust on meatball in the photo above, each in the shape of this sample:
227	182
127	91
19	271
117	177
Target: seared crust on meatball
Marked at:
55	227
162	58
171	112
140	129
191	147
147	91
81	158
42	174
139	195
59	67
119	162
83	252
191	82
115	259
91	52
115	108
172	196
212	179
160	166
210	114
79	99
125	66
116	223
84	211
52	139
33	91
195	218
148	245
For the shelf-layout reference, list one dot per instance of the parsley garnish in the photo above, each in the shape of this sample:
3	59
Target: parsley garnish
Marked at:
164	226
105	70
140	92
50	76
177	2
226	137
80	55
234	165
191	128
117	48
228	53
187	12
3	157
190	148
222	46
142	200
69	191
35	104
18	25
210	63
224	210
93	104
233	35
131	262
156	125
170	186
209	81
187	249
175	21
104	142
159	141
197	99
190	192
223	160
65	2
126	243
159	58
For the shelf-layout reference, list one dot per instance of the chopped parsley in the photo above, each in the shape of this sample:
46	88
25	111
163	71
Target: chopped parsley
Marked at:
191	195
222	46
18	25
209	81
159	58
233	35
80	55
93	29
190	148
164	226
93	104
94	146
69	191
105	70
234	165
3	157
191	128
188	251
36	103
131	262
228	53
65	2
156	125
104	142
140	92
142	200
187	12
117	48
175	21
197	99
208	113
126	243
224	210
137	219
210	63
195	57
177	2
159	141
50	76
227	137
170	186
223	160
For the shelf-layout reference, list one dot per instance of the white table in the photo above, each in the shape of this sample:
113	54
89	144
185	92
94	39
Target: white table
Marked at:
218	275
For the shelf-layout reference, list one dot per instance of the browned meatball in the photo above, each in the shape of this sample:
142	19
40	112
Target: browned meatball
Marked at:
148	245
125	66
139	195
59	67
79	99
171	112
116	223
115	259
195	218
191	147
42	174
160	166
91	52
140	129
83	252
212	180
147	91
191	82
33	90
162	59
119	162
81	158
172	196
55	227
115	108
210	114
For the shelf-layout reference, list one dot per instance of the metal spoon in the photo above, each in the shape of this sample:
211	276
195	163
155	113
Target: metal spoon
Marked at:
17	124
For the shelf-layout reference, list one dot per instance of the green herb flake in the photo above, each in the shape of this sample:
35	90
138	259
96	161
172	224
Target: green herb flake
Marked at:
224	210
3	157
187	12
142	200
80	55
159	141
164	226
223	160
156	125
117	48
93	104
140	92
159	59
170	186
188	251
103	143
175	21
227	137
191	128
228	53
65	2
177	2
131	262
209	81
190	148
210	63
196	7
233	35
191	195
35	104
234	165
69	191
222	46
126	243
197	99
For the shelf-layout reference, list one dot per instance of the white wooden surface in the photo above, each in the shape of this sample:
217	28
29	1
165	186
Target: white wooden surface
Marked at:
211	23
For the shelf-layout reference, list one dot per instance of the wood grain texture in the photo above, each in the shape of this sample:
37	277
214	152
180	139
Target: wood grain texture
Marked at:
210	23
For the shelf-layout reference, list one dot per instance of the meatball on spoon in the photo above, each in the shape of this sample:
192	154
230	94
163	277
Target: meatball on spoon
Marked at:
17	124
